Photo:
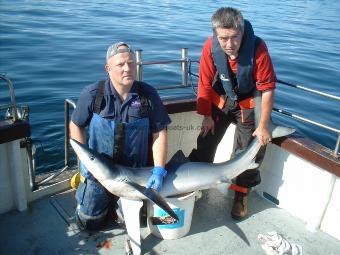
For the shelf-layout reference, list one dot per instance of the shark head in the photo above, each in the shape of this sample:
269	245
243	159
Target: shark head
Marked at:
94	161
103	169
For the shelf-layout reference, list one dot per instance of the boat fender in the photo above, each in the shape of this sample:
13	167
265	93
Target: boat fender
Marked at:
76	179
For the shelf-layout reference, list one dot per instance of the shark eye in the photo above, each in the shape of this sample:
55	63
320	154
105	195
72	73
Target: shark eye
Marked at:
91	158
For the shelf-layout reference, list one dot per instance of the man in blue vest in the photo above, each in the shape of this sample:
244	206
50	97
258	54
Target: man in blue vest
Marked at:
234	63
121	115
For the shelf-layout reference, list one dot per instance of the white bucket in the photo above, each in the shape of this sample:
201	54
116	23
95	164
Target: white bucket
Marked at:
183	206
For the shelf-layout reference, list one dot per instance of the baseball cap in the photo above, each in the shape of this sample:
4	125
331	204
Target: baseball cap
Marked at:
114	49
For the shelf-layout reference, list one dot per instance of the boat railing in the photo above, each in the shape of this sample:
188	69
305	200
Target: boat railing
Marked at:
187	75
67	104
185	62
14	114
315	123
13	105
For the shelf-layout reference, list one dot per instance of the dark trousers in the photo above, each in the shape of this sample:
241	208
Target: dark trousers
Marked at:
95	205
244	120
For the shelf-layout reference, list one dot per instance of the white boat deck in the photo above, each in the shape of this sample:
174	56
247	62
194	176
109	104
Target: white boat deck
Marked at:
47	227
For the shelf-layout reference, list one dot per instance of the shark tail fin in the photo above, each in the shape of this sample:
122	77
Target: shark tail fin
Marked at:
276	131
279	131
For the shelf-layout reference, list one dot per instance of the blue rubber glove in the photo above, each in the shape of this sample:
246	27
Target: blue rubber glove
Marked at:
156	179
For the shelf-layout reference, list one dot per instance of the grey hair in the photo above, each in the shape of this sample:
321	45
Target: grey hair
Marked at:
228	17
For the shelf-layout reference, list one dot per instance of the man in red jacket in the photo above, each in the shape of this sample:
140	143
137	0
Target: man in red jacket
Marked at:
234	63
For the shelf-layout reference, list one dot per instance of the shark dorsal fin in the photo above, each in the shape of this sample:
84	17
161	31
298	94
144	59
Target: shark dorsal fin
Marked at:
176	160
276	131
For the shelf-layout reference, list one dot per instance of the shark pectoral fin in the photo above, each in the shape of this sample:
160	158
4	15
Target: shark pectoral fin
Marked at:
153	195
160	201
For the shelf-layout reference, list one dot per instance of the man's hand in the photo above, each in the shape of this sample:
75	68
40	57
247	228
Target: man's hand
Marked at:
208	124
262	135
156	179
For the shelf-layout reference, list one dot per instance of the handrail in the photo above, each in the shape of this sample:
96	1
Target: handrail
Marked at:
6	106
319	93
289	114
309	90
297	86
294	116
188	62
337	146
12	95
184	64
186	71
67	104
160	62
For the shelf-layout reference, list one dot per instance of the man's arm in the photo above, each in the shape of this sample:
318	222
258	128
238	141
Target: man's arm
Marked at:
265	82
207	73
262	131
77	133
160	147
